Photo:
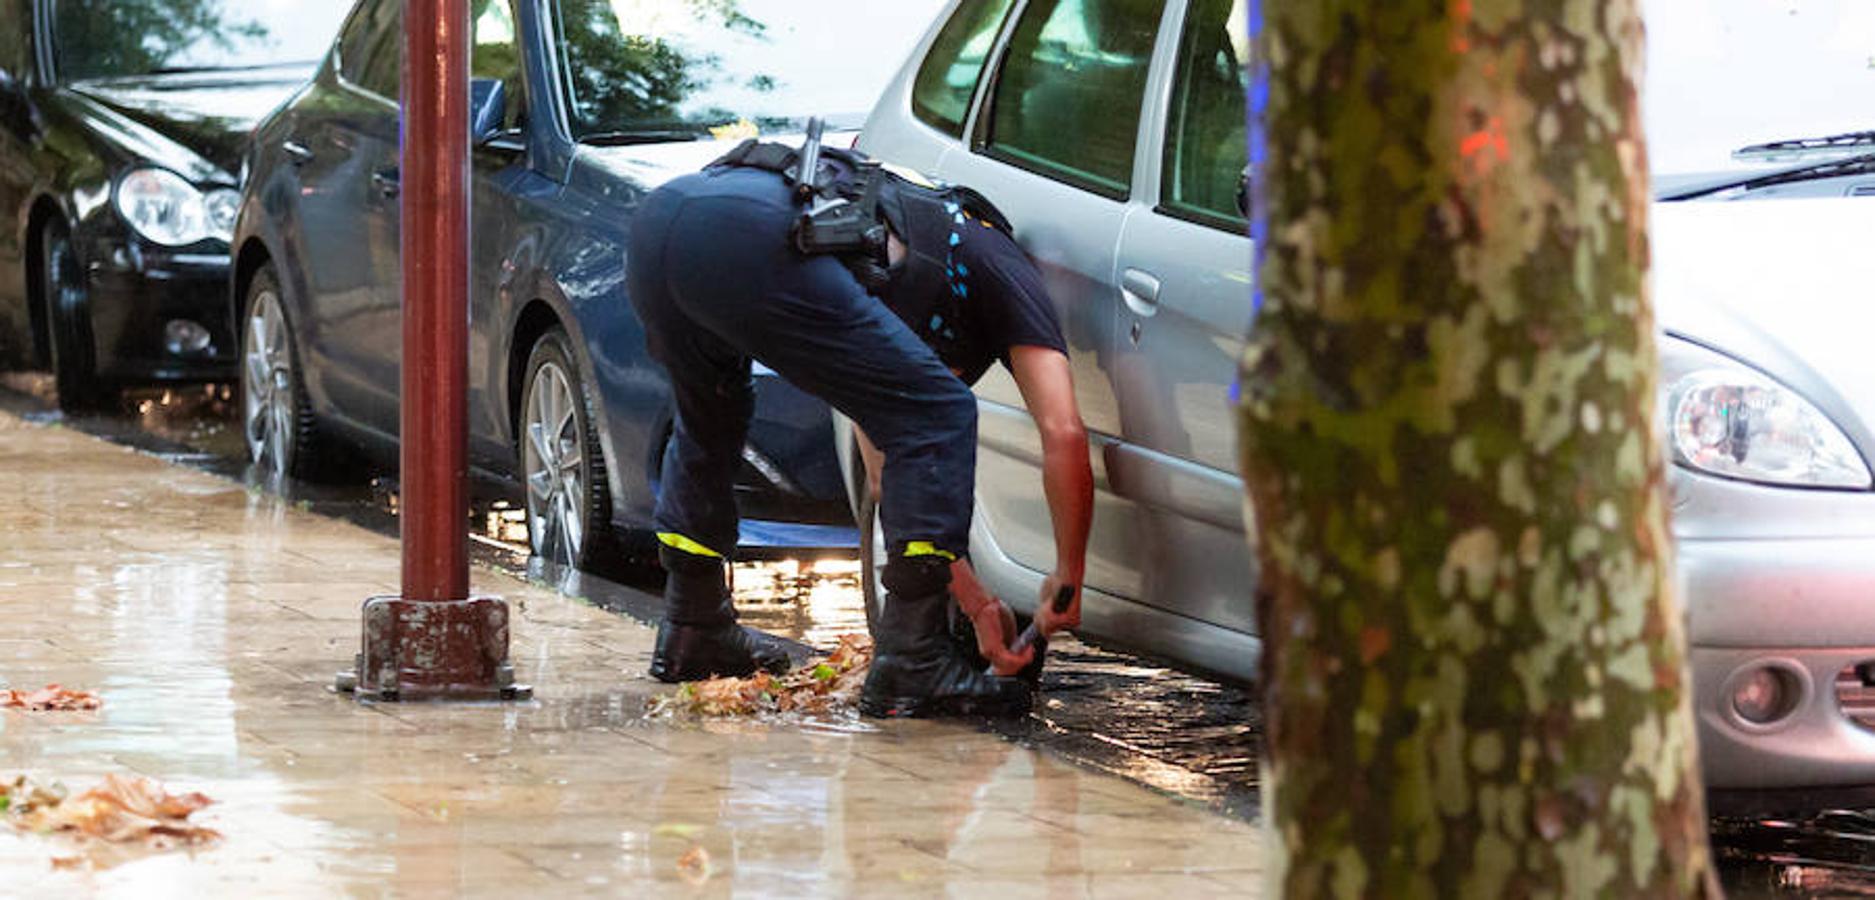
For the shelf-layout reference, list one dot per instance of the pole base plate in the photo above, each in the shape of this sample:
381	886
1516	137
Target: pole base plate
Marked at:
433	650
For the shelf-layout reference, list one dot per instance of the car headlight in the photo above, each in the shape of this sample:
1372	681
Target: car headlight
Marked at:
166	209
1726	419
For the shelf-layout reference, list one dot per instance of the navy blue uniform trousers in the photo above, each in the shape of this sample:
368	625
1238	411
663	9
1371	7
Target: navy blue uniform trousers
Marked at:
717	283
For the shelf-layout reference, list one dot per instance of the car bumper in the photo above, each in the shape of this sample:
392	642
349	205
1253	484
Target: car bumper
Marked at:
1806	610
140	300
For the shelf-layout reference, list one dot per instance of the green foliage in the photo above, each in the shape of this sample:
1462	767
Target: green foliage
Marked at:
625	81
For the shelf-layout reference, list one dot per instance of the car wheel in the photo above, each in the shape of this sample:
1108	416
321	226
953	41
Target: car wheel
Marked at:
568	506
871	560
68	308
283	435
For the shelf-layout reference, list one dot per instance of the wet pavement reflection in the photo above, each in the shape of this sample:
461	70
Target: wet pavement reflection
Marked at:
1153	726
212	640
1162	728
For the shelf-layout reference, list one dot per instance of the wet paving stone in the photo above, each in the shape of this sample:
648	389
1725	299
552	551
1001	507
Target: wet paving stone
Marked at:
207	688
1166	731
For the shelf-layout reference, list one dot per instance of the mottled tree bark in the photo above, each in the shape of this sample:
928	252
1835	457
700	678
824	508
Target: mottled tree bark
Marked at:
1474	656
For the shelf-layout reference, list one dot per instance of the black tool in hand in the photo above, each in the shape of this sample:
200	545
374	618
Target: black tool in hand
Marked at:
1063	596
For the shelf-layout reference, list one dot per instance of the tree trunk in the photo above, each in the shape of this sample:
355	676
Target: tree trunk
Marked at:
1474	658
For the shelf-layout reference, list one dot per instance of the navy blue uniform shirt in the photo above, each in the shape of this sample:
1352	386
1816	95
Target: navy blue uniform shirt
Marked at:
996	300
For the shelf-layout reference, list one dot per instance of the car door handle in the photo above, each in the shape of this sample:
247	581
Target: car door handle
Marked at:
1140	290
299	154
388	181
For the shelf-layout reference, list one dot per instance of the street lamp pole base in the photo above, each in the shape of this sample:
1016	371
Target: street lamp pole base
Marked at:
434	650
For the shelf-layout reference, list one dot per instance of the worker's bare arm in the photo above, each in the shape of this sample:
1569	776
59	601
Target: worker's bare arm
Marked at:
1047	387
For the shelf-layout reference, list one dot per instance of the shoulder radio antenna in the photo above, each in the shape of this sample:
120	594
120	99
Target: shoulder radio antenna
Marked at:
807	171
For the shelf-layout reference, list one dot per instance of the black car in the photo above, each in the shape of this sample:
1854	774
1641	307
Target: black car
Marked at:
121	129
581	108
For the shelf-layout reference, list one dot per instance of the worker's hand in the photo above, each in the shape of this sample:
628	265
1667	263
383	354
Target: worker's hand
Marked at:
996	630
1045	614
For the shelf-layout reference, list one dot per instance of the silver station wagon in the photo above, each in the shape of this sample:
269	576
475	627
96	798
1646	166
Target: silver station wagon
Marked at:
1111	132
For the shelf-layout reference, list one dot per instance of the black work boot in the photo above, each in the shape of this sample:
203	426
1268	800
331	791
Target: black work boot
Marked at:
699	637
918	669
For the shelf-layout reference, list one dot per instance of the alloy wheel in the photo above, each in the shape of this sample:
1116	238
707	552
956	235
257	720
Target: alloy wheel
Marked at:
553	455
267	386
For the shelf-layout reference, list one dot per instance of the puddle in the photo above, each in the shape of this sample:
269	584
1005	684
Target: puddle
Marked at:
814	601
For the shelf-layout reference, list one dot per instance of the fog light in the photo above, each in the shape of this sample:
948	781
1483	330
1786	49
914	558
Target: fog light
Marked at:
1764	695
185	337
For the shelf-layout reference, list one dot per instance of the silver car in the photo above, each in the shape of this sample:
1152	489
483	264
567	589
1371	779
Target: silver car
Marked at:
1111	132
1762	277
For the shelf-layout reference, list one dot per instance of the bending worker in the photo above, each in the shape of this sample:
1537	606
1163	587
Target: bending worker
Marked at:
886	298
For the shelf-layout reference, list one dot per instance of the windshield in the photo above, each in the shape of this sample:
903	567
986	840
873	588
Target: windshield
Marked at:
113	38
657	67
1723	74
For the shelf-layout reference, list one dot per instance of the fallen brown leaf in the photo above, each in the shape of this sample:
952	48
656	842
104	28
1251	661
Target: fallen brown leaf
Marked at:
48	698
694	866
816	687
120	810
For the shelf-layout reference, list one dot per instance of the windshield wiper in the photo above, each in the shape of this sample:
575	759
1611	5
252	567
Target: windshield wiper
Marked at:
1861	164
196	70
626	138
1835	143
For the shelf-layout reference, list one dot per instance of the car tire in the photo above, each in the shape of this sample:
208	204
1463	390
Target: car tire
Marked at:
562	468
284	437
68	313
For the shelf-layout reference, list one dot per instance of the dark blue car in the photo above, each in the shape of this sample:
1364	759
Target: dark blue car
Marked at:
581	108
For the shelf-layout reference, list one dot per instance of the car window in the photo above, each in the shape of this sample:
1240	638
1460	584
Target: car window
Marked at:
948	77
1725	74
1067	102
114	38
371	50
1205	151
497	54
662	69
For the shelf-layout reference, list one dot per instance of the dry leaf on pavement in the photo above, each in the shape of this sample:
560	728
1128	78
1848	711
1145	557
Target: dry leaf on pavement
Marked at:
814	688
694	866
50	697
120	810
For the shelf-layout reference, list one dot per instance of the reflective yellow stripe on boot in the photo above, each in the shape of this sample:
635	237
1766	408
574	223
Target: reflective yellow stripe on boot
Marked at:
677	541
926	548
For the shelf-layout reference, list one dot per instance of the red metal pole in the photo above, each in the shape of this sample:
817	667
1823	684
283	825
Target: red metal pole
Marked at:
433	483
434	640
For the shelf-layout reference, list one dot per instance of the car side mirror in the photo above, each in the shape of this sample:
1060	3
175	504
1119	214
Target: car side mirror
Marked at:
488	113
488	107
1243	193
